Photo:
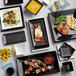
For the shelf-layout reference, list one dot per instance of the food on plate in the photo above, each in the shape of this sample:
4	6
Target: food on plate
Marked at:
71	21
55	6
38	71
43	69
63	28
38	33
31	63
39	62
49	67
48	59
64	23
26	62
31	68
59	19
36	66
34	60
27	72
34	6
11	18
43	64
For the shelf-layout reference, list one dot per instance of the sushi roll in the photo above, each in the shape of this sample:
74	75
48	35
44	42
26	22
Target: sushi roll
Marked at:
49	67
26	62
38	71
34	60
39	62
27	72
43	69
30	68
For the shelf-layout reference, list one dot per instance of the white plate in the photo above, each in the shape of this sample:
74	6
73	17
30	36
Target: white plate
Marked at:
4	27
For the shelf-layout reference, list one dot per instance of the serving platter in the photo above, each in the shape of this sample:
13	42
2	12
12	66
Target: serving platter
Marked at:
57	36
11	18
38	33
39	57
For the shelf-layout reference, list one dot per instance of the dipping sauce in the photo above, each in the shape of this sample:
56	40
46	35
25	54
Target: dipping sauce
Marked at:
48	59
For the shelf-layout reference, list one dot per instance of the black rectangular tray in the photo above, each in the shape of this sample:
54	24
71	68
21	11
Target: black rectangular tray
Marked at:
16	27
58	37
41	22
41	57
12	38
9	2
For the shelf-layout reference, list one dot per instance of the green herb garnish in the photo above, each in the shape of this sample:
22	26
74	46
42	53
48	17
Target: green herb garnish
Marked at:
59	20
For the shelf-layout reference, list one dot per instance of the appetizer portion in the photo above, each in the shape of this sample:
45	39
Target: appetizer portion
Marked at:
39	64
36	66
11	18
38	34
65	24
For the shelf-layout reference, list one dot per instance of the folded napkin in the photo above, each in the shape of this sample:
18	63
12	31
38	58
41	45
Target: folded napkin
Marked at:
61	7
7	66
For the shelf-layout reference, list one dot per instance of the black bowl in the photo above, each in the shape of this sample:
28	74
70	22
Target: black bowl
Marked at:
10	71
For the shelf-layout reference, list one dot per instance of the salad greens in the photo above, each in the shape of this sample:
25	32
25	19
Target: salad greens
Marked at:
59	19
11	18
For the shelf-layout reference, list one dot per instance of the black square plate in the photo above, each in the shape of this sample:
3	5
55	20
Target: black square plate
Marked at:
66	50
57	36
12	38
40	57
15	10
67	66
9	2
41	23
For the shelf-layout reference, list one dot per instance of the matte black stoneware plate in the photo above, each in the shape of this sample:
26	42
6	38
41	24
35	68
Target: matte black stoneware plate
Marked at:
67	66
14	10
57	36
12	38
41	23
41	58
9	2
68	53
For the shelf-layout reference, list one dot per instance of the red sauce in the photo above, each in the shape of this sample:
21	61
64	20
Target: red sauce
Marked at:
48	59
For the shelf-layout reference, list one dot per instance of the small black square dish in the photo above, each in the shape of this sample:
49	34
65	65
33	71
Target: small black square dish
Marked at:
63	25
11	18
67	66
66	51
12	38
38	33
39	64
34	6
9	2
